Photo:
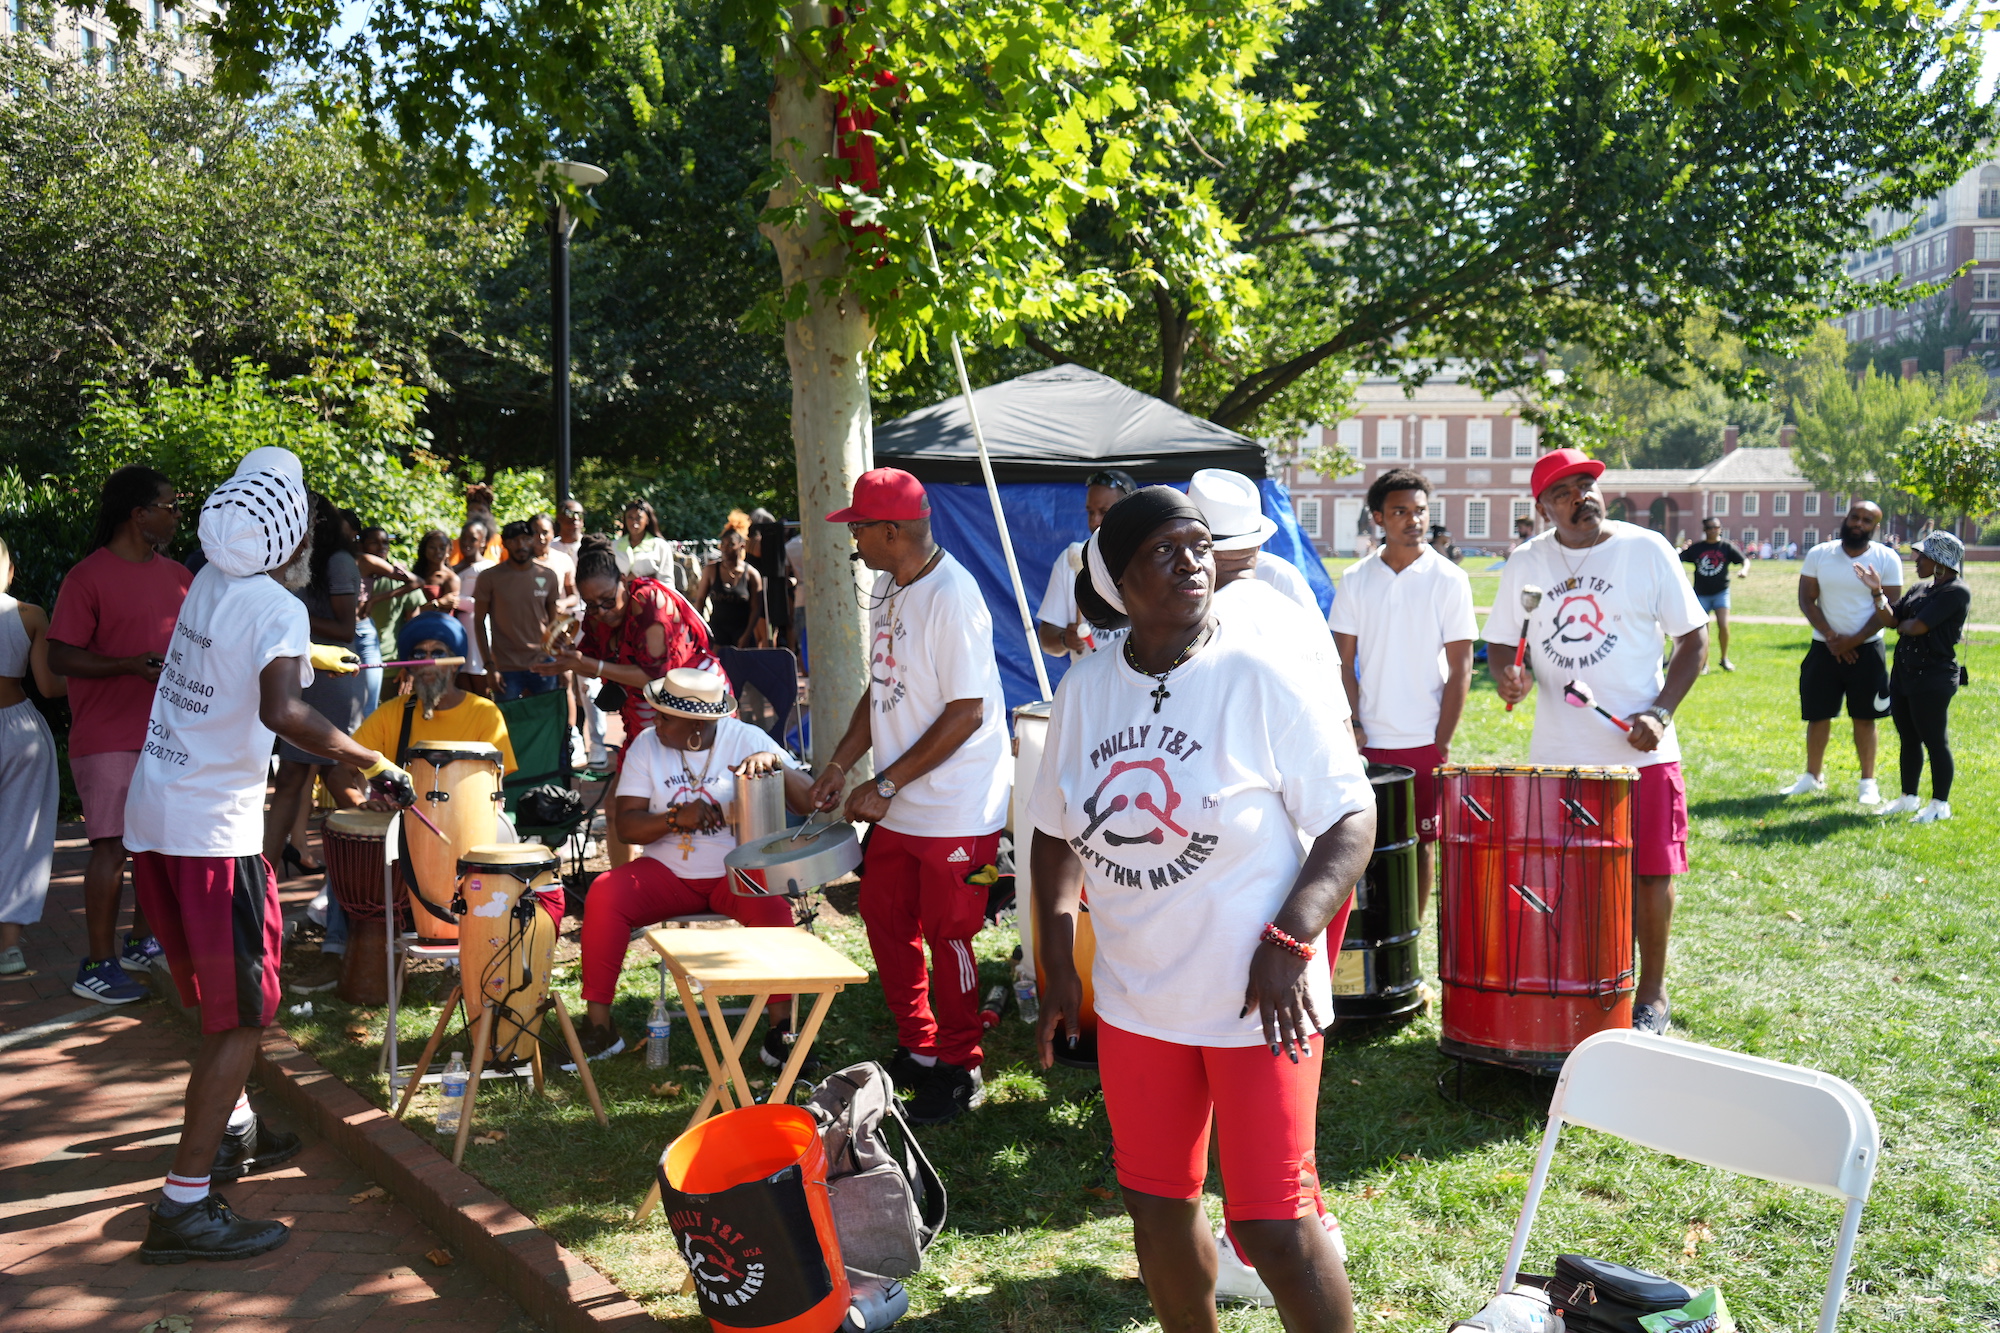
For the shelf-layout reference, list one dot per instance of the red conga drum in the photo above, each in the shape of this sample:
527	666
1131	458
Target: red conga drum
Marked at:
352	841
1535	910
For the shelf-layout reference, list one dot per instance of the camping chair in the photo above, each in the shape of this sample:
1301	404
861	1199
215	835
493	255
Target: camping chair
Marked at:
538	729
774	674
1753	1116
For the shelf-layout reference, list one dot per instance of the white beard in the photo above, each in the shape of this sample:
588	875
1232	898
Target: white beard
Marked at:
296	573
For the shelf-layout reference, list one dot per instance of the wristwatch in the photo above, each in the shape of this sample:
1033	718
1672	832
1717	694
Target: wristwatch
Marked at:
885	789
1663	716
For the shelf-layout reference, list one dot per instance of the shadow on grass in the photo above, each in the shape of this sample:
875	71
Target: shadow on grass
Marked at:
1804	826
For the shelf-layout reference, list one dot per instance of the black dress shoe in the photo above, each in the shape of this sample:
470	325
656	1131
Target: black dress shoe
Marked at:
905	1072
257	1148
206	1230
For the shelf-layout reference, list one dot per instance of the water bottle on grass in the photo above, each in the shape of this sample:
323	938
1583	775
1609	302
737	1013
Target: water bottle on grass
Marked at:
1025	998
658	1030
453	1087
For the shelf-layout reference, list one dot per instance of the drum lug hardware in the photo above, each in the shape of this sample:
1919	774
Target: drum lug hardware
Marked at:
1478	810
458	907
1529	897
437	796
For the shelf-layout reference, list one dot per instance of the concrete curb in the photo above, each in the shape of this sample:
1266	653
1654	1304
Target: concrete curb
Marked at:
552	1285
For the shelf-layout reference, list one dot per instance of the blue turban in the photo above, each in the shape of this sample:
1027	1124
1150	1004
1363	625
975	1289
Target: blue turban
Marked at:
428	626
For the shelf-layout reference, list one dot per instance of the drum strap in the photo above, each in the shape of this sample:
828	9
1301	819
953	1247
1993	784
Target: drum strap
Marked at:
403	736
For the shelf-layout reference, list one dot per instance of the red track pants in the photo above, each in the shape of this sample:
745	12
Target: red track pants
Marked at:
643	892
913	893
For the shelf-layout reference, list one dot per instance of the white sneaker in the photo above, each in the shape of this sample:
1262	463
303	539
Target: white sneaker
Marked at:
1933	812
1870	794
1902	805
1236	1280
1805	786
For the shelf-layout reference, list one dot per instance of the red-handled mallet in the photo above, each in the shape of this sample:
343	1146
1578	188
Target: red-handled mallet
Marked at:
1531	597
1577	695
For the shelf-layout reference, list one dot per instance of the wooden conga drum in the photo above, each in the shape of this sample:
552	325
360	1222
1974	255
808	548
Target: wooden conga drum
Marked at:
1534	910
353	842
458	789
505	940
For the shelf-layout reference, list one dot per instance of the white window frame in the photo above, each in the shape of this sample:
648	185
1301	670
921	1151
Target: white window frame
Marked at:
1809	538
1752	502
1718	506
1434	434
1779	536
1523	506
1440	509
1476	522
1309	507
1781	504
1749	538
1986	243
1389	437
1348	437
1812	503
1523	438
1479	437
1840	504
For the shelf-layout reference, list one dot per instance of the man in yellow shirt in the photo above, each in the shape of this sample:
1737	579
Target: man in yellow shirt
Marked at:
439	710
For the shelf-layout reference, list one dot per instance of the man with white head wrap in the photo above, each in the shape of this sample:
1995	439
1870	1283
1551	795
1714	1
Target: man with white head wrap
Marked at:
194	823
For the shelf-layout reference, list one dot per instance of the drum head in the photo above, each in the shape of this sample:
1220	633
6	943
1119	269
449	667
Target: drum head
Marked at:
360	823
507	856
440	753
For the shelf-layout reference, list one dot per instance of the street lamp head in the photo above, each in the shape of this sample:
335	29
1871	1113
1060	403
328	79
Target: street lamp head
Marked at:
580	174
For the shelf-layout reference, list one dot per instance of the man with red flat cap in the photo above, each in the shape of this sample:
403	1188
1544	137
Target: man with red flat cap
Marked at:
933	715
1612	594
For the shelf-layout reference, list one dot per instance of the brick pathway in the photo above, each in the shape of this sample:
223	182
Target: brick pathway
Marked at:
89	1116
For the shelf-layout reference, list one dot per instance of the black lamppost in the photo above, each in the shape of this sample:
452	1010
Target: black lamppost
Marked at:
561	224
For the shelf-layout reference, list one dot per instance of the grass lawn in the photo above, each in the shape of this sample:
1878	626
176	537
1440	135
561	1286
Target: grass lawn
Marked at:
1807	932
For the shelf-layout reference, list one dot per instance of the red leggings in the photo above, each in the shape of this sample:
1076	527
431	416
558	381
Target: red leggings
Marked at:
643	892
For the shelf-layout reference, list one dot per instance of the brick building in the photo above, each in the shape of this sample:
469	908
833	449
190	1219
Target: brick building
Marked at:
1959	226
1758	495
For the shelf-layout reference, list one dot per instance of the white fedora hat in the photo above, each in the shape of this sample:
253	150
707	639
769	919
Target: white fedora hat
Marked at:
1232	507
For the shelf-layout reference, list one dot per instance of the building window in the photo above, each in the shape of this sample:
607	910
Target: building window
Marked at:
1749	538
1479	437
1989	192
1749	503
1986	284
1309	516
1840	504
1348	435
1523	507
1809	538
1389	437
1986	328
1779	537
1475	519
1986	245
1524	439
159	16
1434	437
86	44
1812	502
1719	507
1781	503
17	15
1440	510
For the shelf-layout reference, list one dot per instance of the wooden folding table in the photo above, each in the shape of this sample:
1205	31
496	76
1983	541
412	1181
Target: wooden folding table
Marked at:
757	961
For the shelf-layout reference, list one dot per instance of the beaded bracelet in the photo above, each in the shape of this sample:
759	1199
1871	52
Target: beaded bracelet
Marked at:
1272	935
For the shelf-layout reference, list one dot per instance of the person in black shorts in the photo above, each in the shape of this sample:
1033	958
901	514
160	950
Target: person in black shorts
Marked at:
1928	621
1711	558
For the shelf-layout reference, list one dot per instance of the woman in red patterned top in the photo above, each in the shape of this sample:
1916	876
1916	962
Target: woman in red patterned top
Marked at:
634	631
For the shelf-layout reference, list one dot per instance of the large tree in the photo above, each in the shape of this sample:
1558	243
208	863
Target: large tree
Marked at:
1849	435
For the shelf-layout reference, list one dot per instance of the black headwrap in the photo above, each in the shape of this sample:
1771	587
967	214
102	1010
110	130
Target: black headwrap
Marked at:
1125	528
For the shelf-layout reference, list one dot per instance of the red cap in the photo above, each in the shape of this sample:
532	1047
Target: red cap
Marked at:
1553	466
885	493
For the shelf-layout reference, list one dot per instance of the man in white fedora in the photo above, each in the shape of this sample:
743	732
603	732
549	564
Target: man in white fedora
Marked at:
1233	508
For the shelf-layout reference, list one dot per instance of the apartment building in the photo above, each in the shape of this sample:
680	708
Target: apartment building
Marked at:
163	44
1959	226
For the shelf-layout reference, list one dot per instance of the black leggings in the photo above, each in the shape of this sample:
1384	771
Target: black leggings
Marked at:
1920	716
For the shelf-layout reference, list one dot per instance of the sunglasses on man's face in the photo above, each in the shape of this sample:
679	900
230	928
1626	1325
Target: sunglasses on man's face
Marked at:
428	653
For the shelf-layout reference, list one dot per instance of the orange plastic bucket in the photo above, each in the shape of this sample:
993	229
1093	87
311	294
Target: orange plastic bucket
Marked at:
745	1193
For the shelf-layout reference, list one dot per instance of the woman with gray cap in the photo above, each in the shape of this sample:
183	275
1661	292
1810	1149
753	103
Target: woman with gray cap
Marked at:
1928	620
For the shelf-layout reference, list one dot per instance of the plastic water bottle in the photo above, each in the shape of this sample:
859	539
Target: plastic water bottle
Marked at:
1522	1310
658	1029
453	1085
992	1007
1025	998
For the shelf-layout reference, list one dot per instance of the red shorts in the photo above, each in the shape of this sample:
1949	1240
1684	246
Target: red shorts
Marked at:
1160	1096
218	922
1424	759
1660	822
102	780
645	892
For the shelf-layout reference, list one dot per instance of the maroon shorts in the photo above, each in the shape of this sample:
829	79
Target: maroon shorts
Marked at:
1660	822
102	780
1424	759
217	921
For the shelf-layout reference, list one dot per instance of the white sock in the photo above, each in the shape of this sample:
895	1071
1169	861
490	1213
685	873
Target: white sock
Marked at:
242	1117
181	1189
927	1061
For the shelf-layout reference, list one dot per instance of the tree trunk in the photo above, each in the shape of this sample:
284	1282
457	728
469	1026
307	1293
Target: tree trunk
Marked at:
831	428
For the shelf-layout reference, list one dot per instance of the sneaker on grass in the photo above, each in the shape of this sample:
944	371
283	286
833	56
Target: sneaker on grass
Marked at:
1932	813
777	1049
1805	786
1902	805
105	982
1236	1280
1868	793
205	1229
139	953
948	1092
600	1041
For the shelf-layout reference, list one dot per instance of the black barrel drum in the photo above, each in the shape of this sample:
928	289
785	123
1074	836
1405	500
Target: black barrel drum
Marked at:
1377	974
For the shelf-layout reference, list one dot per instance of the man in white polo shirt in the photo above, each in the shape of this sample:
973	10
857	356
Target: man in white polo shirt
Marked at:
1059	626
1403	622
935	719
1846	661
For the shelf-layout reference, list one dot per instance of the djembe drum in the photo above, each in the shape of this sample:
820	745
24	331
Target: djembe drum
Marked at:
1535	910
458	789
354	845
505	940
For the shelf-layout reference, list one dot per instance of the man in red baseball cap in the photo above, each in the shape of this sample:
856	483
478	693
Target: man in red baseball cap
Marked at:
1611	594
934	717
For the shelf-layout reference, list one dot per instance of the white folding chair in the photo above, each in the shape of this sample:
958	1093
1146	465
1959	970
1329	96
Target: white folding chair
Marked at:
1745	1114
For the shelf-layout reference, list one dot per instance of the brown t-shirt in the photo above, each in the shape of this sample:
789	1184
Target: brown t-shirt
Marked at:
521	603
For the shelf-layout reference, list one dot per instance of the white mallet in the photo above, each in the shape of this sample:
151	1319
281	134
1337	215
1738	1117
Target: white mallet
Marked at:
1577	695
1531	597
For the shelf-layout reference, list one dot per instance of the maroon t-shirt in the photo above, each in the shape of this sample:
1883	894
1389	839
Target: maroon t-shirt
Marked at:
109	605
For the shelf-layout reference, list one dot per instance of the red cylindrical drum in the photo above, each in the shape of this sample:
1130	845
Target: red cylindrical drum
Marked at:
1535	910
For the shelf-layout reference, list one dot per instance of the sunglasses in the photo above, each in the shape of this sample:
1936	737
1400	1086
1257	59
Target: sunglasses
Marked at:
856	529
416	653
608	602
171	506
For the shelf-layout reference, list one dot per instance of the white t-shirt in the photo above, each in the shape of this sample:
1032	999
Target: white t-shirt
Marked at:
198	789
795	565
468	588
1059	605
1298	638
665	779
1192	823
564	564
1283	575
929	643
1401	623
1605	617
1843	598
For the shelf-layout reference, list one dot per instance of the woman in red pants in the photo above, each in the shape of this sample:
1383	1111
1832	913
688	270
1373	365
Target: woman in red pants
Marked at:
674	794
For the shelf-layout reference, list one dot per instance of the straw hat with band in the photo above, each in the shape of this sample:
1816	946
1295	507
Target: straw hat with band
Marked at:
692	693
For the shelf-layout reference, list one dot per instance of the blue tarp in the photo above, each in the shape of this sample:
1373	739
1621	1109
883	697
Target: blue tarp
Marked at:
1043	518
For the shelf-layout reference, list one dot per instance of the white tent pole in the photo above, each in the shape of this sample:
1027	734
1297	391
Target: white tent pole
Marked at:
993	494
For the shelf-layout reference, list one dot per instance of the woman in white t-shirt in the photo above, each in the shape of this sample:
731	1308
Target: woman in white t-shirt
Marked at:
673	801
1206	796
642	552
472	537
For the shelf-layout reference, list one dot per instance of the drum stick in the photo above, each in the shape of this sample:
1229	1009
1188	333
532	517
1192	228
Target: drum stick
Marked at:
1531	597
1577	695
422	819
426	661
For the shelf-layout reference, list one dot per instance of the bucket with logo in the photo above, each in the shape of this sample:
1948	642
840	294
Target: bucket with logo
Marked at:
745	1193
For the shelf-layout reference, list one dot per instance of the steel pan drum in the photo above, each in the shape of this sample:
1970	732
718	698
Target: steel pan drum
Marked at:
1535	912
785	865
1377	973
